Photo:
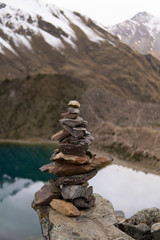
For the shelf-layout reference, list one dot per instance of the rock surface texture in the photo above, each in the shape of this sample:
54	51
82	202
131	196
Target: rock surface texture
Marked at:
144	225
96	223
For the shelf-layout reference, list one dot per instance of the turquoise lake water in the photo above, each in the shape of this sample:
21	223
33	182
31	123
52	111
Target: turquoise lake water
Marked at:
128	190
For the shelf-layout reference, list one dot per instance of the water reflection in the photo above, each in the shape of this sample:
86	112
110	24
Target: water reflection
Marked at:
128	190
18	221
20	178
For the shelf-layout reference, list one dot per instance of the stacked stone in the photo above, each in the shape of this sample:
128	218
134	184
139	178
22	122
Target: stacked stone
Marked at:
73	164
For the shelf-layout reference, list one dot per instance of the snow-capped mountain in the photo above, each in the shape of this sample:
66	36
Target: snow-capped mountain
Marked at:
39	36
141	32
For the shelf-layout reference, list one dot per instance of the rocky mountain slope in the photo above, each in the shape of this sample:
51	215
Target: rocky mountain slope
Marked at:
141	33
50	56
41	38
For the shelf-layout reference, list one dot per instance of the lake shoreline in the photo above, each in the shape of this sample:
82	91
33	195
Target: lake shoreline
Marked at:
144	165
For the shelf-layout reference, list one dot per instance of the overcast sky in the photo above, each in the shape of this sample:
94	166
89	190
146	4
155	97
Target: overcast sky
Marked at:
109	12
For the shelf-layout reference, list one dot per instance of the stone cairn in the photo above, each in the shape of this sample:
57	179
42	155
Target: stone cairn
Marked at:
73	165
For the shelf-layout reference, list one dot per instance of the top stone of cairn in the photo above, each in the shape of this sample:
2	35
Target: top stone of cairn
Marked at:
74	104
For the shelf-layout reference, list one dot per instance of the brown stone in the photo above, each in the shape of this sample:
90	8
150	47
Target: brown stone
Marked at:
68	148
60	135
66	158
70	169
75	179
65	208
69	115
46	194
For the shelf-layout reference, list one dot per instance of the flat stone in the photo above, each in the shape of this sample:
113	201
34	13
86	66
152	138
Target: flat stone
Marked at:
75	191
84	203
75	179
77	132
70	169
60	135
69	115
46	194
155	230
72	122
73	110
71	149
74	104
87	140
65	208
66	158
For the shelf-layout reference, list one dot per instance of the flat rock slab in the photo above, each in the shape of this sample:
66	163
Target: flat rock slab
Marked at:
75	179
46	194
77	132
96	223
69	169
65	208
66	158
60	135
69	115
72	122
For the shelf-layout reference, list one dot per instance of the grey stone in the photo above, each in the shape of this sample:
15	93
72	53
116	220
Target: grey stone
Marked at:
148	216
96	223
72	149
75	179
138	232
73	110
72	122
76	132
87	140
84	203
75	191
155	230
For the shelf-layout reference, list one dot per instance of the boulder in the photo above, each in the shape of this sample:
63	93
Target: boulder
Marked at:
155	230
65	208
96	223
138	232
148	216
70	169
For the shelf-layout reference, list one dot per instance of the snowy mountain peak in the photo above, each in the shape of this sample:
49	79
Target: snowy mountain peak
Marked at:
20	21
142	17
141	32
